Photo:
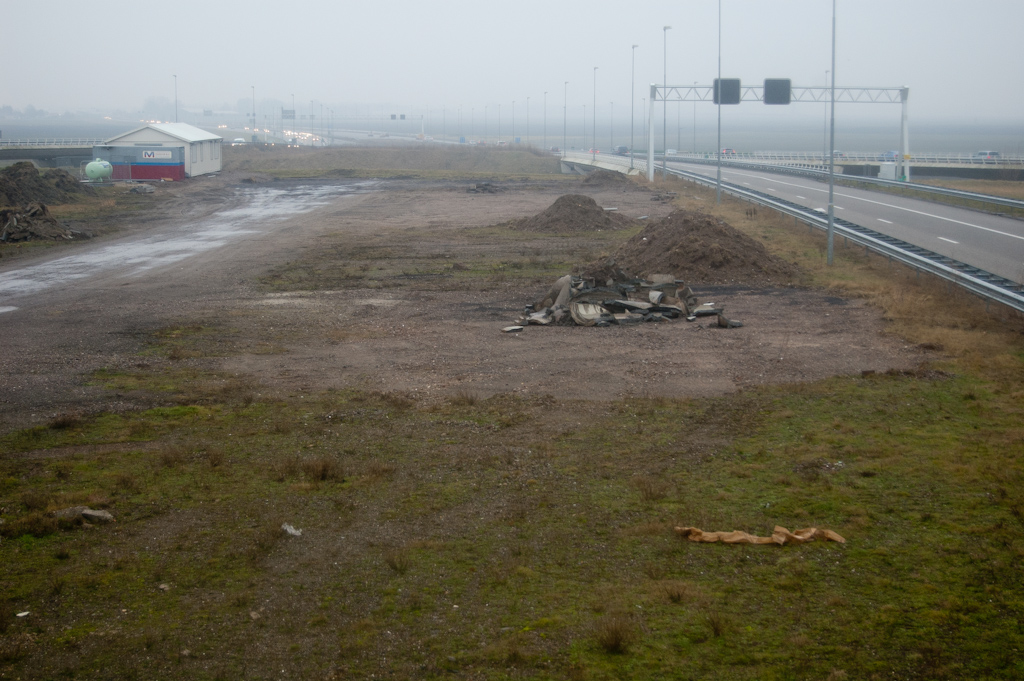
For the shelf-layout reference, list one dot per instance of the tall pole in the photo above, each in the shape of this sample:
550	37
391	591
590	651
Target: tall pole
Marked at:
584	126
694	117
611	126
545	120
175	98
484	136
513	140
632	100
565	114
664	117
832	143
824	127
527	121
718	148
499	122
312	121
594	126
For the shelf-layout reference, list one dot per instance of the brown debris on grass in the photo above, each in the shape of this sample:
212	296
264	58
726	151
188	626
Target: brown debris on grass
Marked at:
700	249
21	184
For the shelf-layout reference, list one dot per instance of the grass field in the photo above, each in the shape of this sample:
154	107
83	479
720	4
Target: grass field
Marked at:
533	538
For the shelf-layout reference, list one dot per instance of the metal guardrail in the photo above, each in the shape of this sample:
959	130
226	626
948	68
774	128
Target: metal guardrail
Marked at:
43	142
860	157
988	286
925	188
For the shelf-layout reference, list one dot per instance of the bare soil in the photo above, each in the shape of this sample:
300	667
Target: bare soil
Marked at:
420	330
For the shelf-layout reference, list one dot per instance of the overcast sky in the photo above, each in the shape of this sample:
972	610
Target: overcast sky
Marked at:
961	59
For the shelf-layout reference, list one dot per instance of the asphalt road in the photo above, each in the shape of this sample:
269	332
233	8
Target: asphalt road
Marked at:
991	242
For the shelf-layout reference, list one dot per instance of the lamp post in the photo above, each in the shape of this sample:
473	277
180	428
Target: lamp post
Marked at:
584	126
594	147
611	126
632	99
565	110
484	136
527	121
694	117
824	126
546	120
718	149
499	122
832	142
253	110
175	98
664	107
513	140
312	119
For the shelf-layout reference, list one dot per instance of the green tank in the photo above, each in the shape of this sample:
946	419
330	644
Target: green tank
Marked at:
98	170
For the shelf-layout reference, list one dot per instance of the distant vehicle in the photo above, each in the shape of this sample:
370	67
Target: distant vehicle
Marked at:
621	150
555	149
987	155
891	155
238	141
838	154
594	151
671	151
502	143
728	152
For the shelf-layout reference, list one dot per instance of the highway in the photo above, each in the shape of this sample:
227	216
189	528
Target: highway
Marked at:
991	242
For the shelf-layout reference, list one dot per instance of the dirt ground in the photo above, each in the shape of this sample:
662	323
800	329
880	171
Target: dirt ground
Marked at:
407	332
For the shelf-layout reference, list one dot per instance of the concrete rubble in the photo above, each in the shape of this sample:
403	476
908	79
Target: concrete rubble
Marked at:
619	300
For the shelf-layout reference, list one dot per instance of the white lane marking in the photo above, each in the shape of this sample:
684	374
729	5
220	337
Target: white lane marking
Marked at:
949	240
885	221
838	207
801	197
747	183
771	189
889	205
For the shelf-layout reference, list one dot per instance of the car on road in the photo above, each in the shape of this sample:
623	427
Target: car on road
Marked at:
987	155
594	151
728	152
237	142
555	149
891	155
669	152
621	151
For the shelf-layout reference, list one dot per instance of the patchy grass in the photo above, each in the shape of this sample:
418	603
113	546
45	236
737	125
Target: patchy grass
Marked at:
529	537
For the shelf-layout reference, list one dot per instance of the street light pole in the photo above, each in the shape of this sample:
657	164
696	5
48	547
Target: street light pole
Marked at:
832	143
694	117
594	148
175	98
253	110
664	107
565	114
718	183
545	120
824	126
527	121
513	140
611	126
632	99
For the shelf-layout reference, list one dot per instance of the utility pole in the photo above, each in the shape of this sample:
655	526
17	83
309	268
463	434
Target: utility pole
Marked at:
632	99
664	99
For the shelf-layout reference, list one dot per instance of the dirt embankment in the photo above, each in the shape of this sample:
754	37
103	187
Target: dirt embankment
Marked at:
700	249
21	184
573	213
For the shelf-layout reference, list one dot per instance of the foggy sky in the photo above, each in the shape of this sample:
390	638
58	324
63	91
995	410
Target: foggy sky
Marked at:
961	59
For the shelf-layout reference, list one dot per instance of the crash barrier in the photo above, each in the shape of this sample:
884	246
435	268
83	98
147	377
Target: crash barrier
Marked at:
856	179
987	286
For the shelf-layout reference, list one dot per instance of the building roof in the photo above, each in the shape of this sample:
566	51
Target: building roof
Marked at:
180	131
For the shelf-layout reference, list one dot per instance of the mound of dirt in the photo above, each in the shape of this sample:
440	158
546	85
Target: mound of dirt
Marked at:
33	223
606	178
698	249
573	213
21	184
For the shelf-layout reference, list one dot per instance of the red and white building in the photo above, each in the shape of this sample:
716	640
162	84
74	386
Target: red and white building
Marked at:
162	151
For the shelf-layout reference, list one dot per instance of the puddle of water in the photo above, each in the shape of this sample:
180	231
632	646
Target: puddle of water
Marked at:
262	208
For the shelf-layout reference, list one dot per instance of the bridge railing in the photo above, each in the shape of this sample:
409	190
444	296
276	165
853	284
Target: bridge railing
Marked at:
853	157
44	142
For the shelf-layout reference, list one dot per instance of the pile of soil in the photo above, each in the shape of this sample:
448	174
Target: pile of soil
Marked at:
606	178
33	223
21	184
573	213
698	249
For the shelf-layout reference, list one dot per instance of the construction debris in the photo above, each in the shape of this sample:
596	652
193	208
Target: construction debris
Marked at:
780	536
34	222
484	188
619	300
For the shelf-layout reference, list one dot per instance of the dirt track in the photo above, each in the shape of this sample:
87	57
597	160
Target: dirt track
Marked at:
432	340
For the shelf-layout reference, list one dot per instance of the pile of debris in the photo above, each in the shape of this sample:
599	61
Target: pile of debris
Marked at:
34	222
21	184
699	247
572	213
484	188
619	300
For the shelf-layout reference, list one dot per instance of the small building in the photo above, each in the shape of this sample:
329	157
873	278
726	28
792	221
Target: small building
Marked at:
162	151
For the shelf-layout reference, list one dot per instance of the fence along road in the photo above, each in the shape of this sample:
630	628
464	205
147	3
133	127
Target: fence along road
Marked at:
982	252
